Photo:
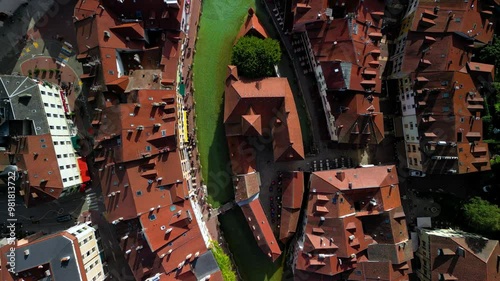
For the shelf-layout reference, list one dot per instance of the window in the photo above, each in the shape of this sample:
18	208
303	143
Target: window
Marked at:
138	193
68	166
59	106
56	95
70	178
407	137
152	217
446	95
446	108
46	104
409	161
415	161
408	146
61	167
58	127
148	148
52	105
65	128
65	179
73	165
49	93
43	93
77	177
49	115
414	147
58	155
61	116
65	155
462	119
411	125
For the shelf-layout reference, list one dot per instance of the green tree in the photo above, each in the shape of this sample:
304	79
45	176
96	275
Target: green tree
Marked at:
491	55
255	58
481	215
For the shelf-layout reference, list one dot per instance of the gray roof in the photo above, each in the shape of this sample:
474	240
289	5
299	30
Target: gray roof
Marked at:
20	100
204	265
50	251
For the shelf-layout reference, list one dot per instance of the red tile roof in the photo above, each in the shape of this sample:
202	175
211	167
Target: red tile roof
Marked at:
452	16
293	189
448	92
446	52
259	225
252	26
246	186
343	230
270	105
475	263
359	119
36	155
99	27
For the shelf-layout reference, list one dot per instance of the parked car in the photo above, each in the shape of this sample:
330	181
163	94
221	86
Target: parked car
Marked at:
64	218
414	173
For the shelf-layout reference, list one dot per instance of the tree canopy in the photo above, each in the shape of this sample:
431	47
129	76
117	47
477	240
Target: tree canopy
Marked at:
491	55
482	215
255	57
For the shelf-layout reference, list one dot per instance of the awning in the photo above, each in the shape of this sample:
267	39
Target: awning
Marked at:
182	89
84	170
430	135
185	126
422	79
486	12
74	142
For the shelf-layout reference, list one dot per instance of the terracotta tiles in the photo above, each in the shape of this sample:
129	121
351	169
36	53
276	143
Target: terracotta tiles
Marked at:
259	225
252	27
345	214
292	194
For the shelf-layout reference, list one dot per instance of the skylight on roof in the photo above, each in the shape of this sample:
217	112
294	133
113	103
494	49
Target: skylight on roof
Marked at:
152	217
172	208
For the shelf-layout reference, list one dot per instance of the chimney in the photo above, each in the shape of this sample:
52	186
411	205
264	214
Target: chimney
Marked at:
340	175
258	85
251	12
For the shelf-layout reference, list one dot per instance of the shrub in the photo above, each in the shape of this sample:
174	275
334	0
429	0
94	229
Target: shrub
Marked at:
224	262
